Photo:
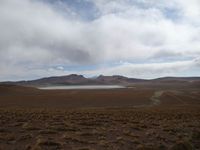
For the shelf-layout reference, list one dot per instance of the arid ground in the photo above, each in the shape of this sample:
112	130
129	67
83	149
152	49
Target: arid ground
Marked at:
139	117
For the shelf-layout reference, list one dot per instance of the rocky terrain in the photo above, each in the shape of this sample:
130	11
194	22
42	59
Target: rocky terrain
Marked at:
177	128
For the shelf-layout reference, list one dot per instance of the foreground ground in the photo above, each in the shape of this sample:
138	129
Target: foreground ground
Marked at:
133	118
82	129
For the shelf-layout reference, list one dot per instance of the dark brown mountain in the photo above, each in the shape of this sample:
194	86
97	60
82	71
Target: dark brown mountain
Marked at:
177	79
75	79
72	79
116	79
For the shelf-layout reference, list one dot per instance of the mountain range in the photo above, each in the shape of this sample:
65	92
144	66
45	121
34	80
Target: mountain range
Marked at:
74	79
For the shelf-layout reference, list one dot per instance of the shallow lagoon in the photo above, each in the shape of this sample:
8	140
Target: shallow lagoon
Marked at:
83	87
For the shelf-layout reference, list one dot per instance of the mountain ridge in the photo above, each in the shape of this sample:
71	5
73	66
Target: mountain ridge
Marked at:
75	79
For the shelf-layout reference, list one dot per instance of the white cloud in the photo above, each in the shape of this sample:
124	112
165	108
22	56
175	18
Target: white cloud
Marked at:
149	70
35	35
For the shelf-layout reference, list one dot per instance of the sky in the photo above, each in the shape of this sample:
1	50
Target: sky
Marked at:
135	38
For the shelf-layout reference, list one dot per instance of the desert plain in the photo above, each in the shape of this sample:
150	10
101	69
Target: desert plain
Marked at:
141	116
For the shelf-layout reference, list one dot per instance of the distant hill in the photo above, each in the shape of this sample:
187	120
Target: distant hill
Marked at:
74	79
177	79
116	79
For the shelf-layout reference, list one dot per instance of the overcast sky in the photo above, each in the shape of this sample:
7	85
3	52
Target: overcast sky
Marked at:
135	38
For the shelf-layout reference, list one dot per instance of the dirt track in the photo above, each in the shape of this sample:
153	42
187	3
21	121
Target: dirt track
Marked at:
156	97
